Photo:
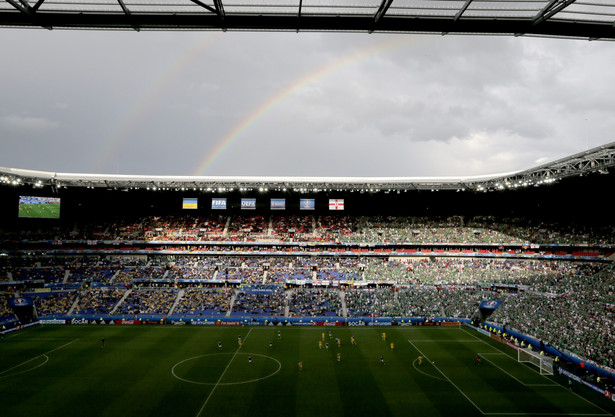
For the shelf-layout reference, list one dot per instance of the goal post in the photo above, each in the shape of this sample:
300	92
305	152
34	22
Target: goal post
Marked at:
543	363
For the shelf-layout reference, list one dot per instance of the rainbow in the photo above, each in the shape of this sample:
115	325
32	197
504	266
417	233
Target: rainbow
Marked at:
262	109
138	110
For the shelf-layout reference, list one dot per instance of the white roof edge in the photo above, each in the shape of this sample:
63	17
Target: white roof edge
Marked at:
606	149
245	179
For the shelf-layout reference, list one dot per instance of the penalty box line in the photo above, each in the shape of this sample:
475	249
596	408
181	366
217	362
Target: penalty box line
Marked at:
548	379
501	352
509	374
447	378
221	376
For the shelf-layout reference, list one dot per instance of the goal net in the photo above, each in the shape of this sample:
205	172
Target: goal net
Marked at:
543	363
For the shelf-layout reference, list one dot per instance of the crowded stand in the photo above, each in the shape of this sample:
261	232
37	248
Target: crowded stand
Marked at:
47	274
255	300
392	230
315	302
548	232
248	228
413	230
54	303
371	302
98	301
6	313
148	301
91	273
297	228
138	270
204	302
194	268
333	228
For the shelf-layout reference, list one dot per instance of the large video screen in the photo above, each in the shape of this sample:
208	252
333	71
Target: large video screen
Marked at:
39	207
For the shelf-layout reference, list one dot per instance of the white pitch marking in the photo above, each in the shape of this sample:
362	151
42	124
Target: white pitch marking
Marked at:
38	356
447	378
221	376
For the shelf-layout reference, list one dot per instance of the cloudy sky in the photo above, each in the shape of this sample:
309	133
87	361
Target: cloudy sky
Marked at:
307	104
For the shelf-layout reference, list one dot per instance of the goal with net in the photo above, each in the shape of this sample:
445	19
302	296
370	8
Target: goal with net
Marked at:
543	363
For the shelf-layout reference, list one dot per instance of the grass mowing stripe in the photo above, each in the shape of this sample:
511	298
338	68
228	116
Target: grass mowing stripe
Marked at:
359	373
221	376
447	378
132	375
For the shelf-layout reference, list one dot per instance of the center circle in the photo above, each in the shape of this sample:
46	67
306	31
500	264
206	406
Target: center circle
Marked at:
215	369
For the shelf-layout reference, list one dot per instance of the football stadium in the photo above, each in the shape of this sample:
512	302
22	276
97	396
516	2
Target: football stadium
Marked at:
249	295
205	296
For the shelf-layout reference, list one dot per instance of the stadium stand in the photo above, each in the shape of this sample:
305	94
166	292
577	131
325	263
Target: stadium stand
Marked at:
554	275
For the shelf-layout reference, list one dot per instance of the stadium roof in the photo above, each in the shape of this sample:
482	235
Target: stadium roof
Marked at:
589	19
596	160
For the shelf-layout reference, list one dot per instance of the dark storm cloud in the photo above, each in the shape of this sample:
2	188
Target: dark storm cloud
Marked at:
299	104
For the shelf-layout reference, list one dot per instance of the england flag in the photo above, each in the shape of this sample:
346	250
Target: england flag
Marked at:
336	204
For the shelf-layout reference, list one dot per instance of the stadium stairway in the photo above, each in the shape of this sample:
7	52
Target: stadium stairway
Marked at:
112	280
66	276
180	295
231	303
119	303
342	296
288	294
226	226
72	307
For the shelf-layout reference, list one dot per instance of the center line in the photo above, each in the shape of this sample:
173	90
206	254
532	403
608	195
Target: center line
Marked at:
221	376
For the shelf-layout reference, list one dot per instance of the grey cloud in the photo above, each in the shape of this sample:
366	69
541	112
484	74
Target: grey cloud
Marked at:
31	124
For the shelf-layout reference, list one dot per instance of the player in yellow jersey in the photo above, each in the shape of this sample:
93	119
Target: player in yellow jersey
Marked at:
300	365
339	342
322	335
320	344
392	346
352	340
339	357
384	337
420	360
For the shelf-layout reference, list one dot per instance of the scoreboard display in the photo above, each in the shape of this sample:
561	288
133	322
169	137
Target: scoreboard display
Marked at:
39	207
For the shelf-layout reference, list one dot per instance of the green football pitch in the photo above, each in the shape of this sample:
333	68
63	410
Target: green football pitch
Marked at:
179	371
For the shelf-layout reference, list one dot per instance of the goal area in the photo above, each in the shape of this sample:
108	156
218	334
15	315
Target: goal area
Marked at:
543	363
